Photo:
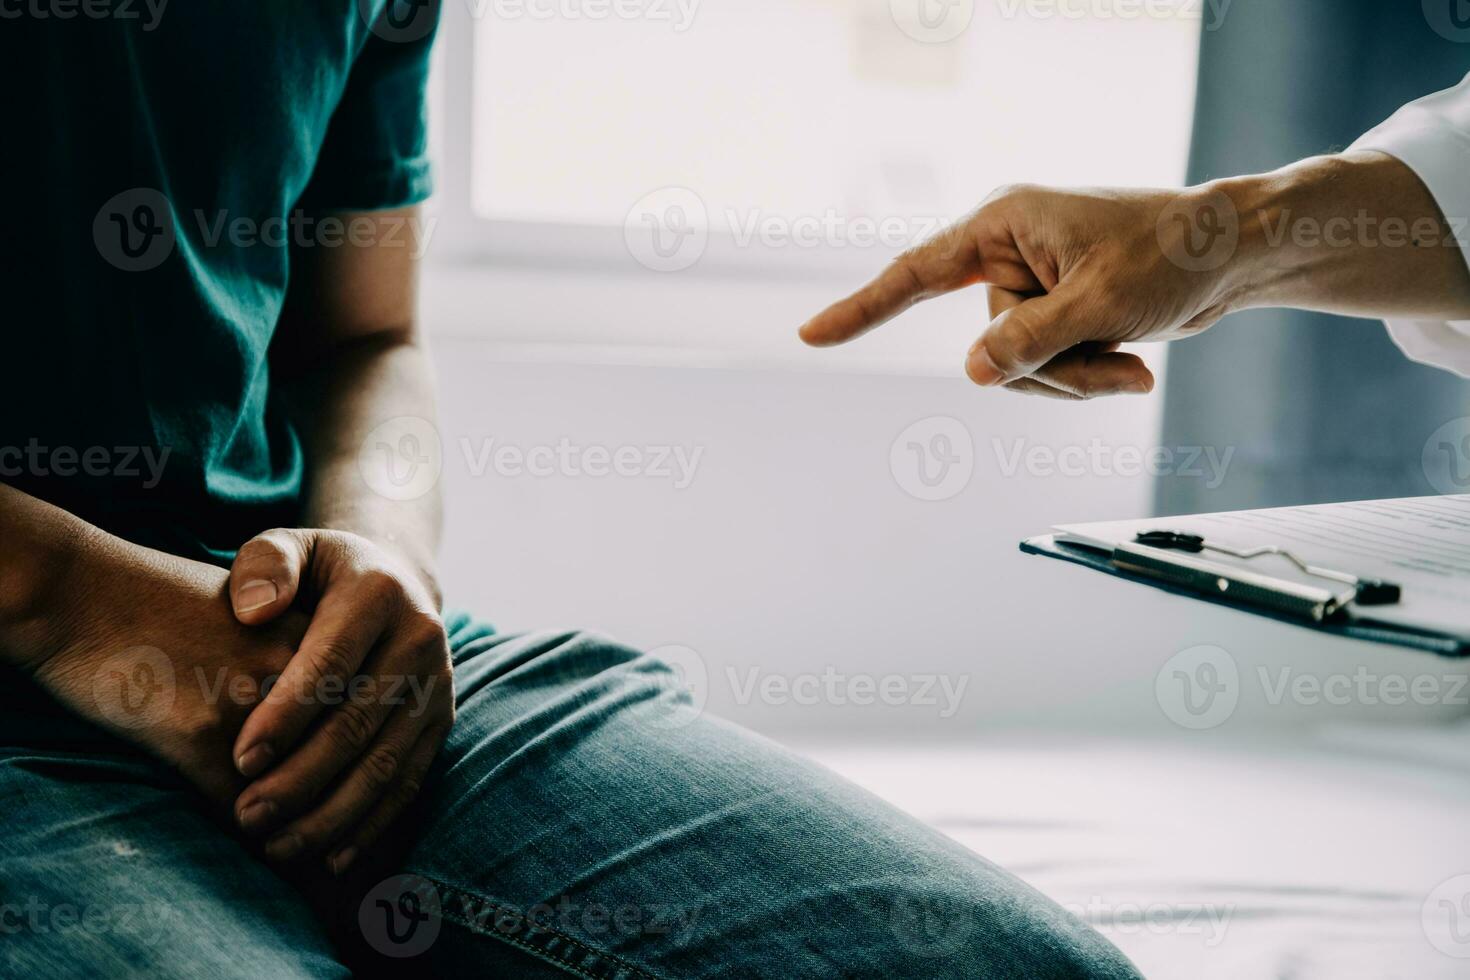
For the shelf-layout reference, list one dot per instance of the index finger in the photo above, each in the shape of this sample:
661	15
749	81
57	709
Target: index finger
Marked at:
948	261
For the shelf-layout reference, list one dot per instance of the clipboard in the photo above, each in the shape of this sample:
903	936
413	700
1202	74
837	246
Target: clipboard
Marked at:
1258	593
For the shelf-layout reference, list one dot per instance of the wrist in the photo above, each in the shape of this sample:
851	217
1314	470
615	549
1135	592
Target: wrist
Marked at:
1304	228
409	540
1265	264
402	551
416	562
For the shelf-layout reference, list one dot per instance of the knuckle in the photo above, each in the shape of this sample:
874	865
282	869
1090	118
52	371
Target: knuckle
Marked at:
409	787
316	832
425	632
909	267
332	659
410	784
1011	192
351	725
380	585
1073	379
293	792
1106	294
1027	341
867	309
262	546
274	547
257	551
378	767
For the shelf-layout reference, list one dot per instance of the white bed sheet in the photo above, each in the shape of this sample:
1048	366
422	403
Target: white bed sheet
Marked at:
1335	855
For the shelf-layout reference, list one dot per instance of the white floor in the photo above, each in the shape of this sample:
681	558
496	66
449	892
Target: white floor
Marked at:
1343	855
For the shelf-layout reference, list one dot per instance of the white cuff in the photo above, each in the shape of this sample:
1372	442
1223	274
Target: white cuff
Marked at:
1432	137
1445	345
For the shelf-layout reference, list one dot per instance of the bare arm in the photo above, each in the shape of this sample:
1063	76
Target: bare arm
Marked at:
350	356
1074	273
330	774
118	633
1356	234
42	544
84	611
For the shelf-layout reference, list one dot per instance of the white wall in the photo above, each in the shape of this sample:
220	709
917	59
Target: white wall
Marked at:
795	549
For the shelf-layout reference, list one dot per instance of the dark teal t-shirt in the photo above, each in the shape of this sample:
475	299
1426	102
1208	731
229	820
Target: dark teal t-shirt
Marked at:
162	159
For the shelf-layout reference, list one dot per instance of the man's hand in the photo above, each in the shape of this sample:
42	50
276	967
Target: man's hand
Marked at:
1072	274
154	655
343	741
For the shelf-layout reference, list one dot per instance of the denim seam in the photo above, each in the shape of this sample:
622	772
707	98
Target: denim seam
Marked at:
620	967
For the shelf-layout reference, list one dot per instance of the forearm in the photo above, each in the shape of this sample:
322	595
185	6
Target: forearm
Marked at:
42	543
1356	234
338	405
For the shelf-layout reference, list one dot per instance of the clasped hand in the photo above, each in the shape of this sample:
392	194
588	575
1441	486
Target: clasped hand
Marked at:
307	690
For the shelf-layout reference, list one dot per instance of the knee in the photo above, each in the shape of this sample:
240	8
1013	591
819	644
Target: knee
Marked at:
1020	936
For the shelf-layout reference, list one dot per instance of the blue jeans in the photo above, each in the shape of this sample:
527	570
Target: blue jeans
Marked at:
582	821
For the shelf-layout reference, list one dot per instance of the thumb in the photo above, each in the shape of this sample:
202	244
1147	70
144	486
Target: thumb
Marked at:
1025	337
266	574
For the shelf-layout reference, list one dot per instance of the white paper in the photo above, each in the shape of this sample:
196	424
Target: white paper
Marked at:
1421	544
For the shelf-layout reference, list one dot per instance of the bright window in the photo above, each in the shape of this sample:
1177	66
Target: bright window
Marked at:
789	137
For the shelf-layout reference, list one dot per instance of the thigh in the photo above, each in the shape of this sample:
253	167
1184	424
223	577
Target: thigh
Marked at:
585	815
108	868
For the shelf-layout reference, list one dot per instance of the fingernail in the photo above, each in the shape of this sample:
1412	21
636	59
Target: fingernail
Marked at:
342	860
982	369
283	847
257	815
1137	388
254	760
254	594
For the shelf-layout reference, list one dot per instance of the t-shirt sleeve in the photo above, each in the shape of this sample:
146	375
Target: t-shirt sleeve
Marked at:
376	155
1432	137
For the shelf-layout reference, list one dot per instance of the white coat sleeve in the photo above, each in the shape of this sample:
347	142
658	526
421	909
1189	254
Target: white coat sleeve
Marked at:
1432	137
